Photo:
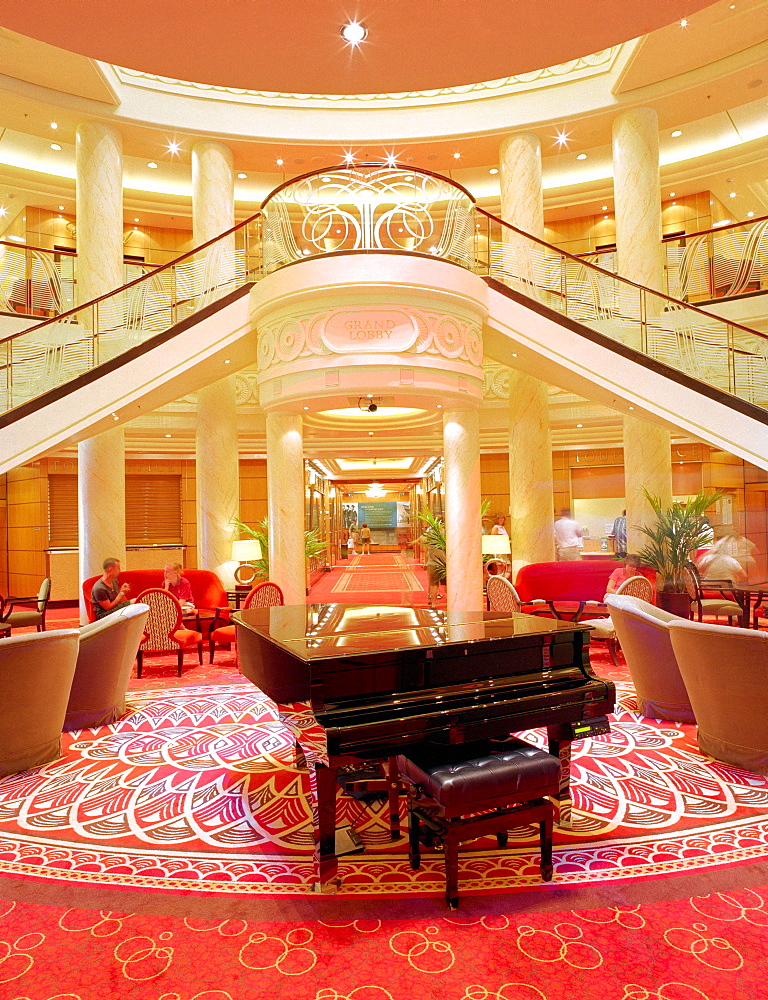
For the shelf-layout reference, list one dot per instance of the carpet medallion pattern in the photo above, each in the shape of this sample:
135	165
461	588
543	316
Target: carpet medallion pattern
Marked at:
198	789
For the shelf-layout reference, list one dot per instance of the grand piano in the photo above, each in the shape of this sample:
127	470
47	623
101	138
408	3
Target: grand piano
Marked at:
358	683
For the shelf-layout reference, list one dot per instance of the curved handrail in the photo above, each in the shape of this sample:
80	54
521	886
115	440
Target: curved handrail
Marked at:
677	303
136	281
713	229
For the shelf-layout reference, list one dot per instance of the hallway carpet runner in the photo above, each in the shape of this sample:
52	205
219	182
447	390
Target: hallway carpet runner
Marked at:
384	577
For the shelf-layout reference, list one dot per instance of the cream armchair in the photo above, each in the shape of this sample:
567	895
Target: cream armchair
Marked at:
104	662
726	672
643	631
36	671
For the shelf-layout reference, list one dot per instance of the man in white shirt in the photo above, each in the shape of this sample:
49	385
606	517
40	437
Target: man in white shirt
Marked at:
568	537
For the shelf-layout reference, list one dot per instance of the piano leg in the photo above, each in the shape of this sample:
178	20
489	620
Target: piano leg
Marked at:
561	748
393	790
324	809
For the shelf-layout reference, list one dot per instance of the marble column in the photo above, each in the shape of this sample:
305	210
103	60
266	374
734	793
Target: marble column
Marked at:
101	459
213	197
637	197
531	499
647	463
217	477
100	503
522	199
464	561
285	492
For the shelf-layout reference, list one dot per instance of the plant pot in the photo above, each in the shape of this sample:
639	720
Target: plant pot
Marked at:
675	604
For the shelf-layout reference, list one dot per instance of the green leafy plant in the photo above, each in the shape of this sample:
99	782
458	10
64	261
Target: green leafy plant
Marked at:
433	535
313	545
675	536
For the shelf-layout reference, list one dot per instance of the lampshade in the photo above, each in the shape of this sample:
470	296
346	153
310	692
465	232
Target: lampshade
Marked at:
496	545
246	550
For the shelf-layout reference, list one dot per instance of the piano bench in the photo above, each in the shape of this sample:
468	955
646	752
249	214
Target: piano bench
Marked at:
463	791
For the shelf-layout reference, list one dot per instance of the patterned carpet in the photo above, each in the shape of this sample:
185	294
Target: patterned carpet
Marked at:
384	573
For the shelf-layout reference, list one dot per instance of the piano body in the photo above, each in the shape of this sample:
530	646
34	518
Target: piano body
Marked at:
360	683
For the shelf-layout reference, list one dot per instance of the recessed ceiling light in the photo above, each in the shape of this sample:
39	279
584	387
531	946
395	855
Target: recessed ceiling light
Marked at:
439	406
173	148
674	202
167	435
677	132
579	425
349	157
750	214
227	361
493	170
242	176
732	194
152	165
54	124
306	407
61	208
56	146
370	433
391	159
135	220
457	156
684	22
280	162
605	216
671	194
3	211
631	407
604	208
353	32
581	156
514	355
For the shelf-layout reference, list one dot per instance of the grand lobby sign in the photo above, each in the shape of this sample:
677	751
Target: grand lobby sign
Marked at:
369	331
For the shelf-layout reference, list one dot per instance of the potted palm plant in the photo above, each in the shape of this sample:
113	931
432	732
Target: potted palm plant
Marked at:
678	532
313	545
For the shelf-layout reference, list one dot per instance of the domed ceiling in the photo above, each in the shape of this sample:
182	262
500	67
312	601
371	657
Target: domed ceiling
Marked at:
295	46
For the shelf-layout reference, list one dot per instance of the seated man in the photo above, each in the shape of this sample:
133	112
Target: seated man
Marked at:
177	584
107	594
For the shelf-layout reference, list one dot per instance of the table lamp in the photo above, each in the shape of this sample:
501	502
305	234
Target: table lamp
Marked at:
498	547
246	551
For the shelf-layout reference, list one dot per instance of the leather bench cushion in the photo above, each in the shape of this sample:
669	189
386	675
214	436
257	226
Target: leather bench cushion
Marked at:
468	774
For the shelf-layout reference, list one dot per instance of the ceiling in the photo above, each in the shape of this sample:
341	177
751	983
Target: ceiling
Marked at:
296	47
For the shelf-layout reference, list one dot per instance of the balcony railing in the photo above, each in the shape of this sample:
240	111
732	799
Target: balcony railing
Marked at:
720	263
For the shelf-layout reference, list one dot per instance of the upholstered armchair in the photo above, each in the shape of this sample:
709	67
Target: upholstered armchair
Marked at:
726	673
104	662
36	671
263	595
164	630
643	631
33	612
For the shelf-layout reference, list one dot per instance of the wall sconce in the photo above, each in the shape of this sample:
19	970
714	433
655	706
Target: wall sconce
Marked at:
246	551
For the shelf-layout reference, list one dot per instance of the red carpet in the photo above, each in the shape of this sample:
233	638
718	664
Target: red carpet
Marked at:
168	857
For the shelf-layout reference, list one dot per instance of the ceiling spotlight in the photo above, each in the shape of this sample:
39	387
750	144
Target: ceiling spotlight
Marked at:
167	435
353	33
61	208
684	22
280	162
242	176
562	138
750	214
152	165
135	220
677	132
56	146
349	157
457	156
370	434
3	211
493	170
581	156
604	208
54	124
671	194
391	160
579	425
173	148
732	194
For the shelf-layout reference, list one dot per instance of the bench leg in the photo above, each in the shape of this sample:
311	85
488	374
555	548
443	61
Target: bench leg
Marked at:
451	851
545	839
414	848
502	838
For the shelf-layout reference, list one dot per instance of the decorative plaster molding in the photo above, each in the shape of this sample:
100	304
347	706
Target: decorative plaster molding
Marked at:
575	69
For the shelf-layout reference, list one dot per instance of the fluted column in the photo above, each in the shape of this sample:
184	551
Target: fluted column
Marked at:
217	477
100	503
101	459
647	463
637	196
464	561
285	492
522	200
99	166
530	472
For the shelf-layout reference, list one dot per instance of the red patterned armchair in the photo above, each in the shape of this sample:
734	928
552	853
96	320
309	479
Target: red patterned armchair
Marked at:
164	630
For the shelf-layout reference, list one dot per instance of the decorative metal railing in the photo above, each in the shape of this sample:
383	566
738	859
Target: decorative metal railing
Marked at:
368	207
722	354
717	264
51	353
377	208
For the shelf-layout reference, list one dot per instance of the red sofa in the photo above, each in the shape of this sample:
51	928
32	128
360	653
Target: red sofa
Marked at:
568	585
207	589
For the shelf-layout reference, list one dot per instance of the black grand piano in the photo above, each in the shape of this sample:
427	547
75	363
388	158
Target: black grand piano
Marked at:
362	683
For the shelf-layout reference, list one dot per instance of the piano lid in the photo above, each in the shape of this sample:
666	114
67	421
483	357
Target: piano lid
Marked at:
320	631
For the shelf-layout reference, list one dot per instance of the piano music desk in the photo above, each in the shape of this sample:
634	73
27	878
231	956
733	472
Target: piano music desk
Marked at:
361	683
